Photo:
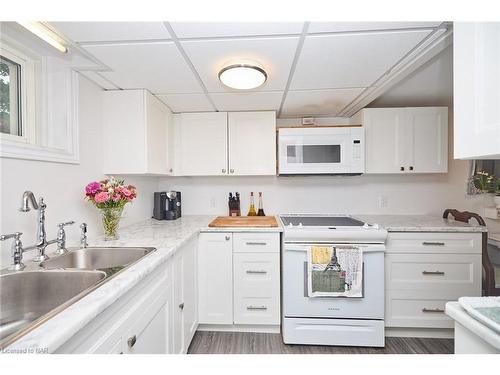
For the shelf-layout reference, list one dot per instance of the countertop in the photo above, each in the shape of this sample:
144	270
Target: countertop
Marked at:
420	223
167	237
455	311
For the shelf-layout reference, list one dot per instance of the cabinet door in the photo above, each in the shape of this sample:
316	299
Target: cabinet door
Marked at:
202	143
158	116
252	143
427	139
178	321
476	90
385	134
148	334
215	284
190	289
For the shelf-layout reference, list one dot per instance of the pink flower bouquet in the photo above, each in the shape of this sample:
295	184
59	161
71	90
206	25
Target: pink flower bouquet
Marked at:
110	196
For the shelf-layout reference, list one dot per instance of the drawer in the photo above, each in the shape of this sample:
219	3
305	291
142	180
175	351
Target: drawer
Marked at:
256	242
408	310
447	272
257	310
256	274
431	242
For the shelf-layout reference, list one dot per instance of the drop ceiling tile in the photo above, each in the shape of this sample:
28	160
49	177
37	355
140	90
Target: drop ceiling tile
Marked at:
111	31
158	67
247	101
350	60
186	102
274	54
318	102
328	27
229	29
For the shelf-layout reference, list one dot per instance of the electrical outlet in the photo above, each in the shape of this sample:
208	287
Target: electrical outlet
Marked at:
382	201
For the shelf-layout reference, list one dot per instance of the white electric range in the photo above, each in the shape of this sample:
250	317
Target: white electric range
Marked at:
332	320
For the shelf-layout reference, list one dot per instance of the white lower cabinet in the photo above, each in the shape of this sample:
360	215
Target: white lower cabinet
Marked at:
158	316
423	271
239	279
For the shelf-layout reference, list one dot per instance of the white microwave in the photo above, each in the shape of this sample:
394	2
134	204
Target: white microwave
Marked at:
321	150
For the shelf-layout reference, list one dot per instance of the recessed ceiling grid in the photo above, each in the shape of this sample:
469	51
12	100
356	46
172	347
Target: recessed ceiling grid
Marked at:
306	48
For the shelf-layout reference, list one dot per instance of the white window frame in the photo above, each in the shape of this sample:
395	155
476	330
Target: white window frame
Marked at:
34	143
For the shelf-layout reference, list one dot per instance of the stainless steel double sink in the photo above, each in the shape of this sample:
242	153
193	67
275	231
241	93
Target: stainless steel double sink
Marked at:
30	297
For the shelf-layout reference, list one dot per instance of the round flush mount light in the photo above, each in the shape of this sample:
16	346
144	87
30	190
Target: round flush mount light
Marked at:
243	76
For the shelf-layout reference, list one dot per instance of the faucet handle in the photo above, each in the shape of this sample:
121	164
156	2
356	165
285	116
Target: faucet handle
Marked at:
15	235
17	250
62	225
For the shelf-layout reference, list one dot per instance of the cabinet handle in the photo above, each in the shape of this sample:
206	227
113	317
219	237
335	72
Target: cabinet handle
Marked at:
227	238
171	170
223	170
256	272
425	243
440	273
402	169
131	341
256	308
411	168
437	310
257	243
231	170
181	306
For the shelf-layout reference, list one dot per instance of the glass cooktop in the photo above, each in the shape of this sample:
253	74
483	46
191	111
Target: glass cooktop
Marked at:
322	221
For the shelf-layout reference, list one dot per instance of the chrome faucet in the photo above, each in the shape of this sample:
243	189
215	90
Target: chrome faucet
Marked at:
61	238
42	242
83	236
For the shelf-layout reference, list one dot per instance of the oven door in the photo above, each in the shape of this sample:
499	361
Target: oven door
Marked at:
297	304
320	151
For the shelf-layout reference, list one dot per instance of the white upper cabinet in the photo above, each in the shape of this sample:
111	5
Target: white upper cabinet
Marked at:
221	143
135	127
476	90
405	140
252	143
201	144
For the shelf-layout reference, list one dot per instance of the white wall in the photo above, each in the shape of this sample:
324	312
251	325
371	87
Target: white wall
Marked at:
62	184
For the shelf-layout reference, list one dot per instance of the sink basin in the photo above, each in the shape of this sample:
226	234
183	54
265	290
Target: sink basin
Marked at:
27	296
111	259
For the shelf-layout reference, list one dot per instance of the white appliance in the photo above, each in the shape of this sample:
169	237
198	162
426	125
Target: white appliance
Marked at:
332	320
321	150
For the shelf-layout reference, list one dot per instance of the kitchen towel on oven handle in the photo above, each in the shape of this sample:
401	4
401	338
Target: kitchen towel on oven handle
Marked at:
335	271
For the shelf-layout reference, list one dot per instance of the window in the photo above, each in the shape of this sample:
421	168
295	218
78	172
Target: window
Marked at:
10	94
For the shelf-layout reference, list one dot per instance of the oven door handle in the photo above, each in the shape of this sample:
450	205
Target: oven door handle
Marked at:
365	248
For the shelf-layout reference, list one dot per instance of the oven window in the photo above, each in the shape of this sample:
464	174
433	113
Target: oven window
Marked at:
301	154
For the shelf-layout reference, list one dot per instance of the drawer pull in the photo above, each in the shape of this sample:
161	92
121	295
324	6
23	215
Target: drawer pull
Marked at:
257	243
131	341
256	308
426	310
440	273
181	306
256	272
426	243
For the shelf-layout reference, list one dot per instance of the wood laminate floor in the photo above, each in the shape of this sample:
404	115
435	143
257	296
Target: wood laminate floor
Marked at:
271	343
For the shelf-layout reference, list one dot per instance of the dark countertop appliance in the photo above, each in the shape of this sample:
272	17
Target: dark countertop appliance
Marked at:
167	205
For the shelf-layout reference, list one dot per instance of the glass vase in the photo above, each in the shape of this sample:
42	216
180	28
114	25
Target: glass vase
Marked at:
110	222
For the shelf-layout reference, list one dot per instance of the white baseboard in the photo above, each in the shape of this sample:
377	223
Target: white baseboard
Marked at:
435	333
240	328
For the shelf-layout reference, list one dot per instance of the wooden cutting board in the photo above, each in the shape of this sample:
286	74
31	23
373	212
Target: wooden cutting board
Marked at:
244	221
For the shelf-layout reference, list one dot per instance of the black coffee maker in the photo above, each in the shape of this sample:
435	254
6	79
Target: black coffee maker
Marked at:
167	205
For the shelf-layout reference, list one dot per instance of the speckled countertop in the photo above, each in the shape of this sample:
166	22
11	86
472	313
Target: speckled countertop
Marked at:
420	223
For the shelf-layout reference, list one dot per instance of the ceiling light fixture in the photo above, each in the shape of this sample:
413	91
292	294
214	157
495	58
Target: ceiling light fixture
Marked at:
242	76
45	34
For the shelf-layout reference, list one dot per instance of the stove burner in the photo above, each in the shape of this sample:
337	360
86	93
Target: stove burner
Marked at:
322	221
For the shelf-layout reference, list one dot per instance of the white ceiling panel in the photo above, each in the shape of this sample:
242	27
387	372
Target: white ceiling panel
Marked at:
247	101
329	27
158	67
274	54
99	80
187	102
318	102
350	60
230	29
111	31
